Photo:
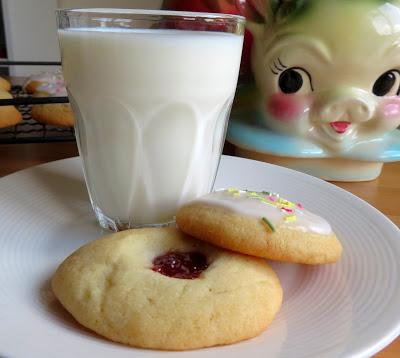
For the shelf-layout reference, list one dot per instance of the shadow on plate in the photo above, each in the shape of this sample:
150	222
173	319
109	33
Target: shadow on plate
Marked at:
65	190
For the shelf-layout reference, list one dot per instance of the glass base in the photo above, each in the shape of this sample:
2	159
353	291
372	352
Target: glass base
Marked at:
116	225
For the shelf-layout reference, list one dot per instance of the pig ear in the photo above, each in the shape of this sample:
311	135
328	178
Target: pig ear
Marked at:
253	10
269	8
281	10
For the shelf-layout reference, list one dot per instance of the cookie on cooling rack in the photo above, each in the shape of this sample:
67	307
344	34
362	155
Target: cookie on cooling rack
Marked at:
160	289
5	85
9	115
59	114
50	84
42	79
260	224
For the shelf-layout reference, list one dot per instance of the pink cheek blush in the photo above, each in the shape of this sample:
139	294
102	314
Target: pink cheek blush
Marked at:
287	108
391	109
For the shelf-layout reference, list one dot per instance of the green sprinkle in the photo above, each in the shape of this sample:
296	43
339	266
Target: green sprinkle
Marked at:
270	203
290	218
285	202
233	190
269	224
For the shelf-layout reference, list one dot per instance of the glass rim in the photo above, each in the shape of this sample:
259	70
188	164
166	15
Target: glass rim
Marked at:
147	13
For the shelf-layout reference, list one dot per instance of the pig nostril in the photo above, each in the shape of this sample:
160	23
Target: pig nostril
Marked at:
360	112
365	109
331	112
326	113
362	109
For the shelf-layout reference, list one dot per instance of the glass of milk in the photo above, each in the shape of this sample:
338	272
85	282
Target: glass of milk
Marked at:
151	93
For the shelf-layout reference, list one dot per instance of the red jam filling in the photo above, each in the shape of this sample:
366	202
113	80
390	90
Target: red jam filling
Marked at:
183	265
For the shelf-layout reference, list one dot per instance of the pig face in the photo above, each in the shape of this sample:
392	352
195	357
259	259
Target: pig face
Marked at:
330	71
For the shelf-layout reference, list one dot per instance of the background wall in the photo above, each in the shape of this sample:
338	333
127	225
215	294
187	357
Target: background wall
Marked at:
31	32
30	28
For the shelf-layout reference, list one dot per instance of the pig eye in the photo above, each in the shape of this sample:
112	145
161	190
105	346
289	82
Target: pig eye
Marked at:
294	80
388	84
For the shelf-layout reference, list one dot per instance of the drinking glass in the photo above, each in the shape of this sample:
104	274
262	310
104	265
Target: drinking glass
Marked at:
151	92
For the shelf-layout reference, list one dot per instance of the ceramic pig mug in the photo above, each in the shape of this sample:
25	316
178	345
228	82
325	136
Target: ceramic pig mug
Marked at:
328	82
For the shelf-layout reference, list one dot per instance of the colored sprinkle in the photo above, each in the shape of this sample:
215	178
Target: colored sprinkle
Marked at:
287	210
271	199
286	203
234	191
290	218
256	197
264	201
269	224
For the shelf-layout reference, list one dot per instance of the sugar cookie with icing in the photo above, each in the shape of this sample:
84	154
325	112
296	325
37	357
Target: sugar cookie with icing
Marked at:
34	82
160	289
260	224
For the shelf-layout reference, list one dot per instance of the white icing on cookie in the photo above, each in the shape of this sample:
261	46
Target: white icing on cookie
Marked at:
276	210
47	77
50	82
53	89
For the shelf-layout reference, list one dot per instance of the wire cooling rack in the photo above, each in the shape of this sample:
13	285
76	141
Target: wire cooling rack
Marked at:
29	130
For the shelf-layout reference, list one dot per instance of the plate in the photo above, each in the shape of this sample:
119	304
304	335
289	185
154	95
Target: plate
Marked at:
349	309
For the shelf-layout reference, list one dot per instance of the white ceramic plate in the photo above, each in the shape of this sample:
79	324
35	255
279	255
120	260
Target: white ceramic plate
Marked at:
350	309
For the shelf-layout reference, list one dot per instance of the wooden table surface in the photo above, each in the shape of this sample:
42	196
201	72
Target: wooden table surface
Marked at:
383	193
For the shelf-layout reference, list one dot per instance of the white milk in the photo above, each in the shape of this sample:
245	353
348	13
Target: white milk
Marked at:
151	109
